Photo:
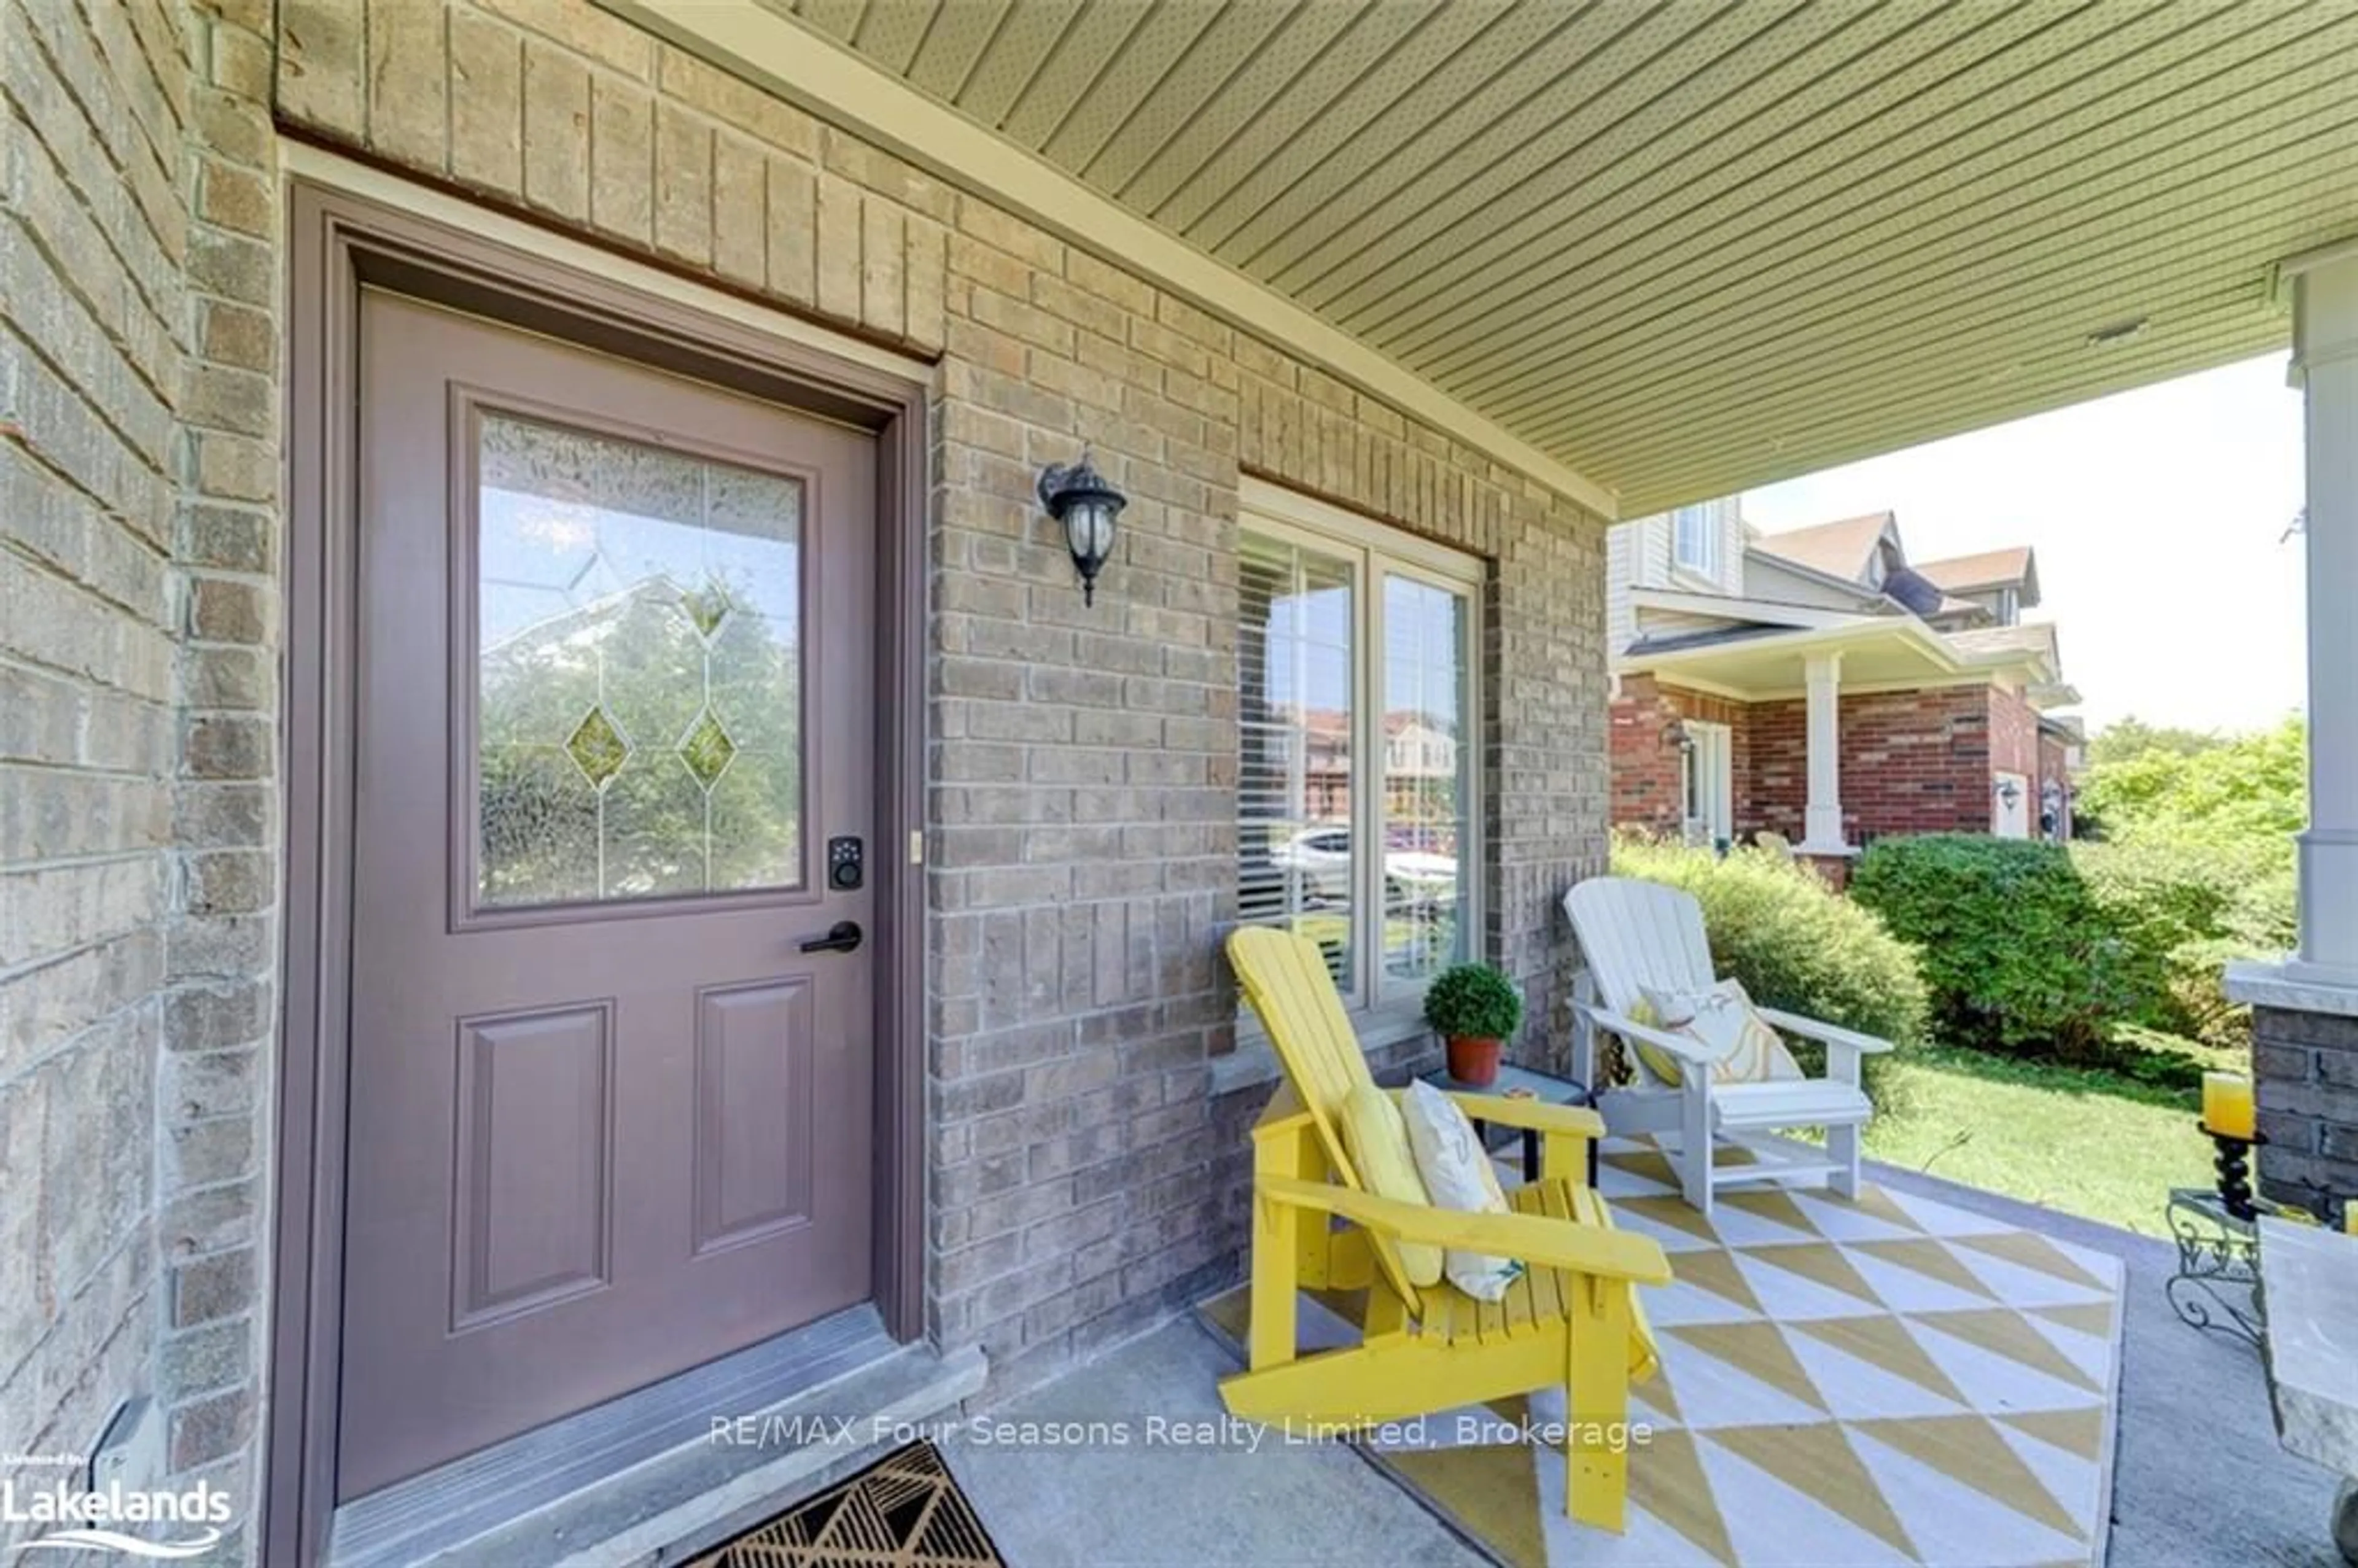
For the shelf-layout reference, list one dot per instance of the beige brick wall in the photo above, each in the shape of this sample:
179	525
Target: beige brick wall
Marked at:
138	411
579	119
1084	1183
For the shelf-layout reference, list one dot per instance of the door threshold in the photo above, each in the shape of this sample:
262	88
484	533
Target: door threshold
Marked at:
649	1477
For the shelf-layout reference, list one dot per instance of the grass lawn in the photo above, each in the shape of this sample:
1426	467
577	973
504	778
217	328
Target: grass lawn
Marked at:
2086	1142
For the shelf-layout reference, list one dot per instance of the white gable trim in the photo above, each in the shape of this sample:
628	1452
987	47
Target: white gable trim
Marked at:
1765	613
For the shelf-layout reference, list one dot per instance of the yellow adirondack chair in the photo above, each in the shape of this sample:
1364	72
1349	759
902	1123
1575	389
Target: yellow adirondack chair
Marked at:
1573	1318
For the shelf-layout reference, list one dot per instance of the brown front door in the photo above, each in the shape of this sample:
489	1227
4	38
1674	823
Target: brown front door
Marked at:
610	1117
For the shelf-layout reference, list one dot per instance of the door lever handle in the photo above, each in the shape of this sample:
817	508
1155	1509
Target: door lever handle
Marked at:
843	936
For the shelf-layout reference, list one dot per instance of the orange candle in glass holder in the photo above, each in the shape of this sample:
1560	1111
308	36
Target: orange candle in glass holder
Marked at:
2227	1105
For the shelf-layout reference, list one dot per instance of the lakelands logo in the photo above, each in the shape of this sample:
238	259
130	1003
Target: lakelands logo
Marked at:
87	1520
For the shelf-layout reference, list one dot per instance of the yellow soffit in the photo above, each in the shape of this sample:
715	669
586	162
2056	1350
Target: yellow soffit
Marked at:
817	74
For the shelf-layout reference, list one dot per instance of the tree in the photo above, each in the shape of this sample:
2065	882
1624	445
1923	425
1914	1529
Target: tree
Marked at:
2133	737
2233	790
2198	860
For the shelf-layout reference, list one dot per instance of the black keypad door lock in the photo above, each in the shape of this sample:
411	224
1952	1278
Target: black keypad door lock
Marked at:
847	864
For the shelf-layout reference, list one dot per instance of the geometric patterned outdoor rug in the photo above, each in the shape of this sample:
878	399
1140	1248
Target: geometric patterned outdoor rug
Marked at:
1894	1381
904	1509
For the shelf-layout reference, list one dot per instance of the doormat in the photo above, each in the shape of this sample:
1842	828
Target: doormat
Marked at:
1886	1380
903	1511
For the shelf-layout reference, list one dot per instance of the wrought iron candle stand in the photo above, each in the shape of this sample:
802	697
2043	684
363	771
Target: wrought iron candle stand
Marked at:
2233	1163
2217	1232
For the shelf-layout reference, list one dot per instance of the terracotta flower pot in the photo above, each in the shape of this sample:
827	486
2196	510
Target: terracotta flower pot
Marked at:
1474	1062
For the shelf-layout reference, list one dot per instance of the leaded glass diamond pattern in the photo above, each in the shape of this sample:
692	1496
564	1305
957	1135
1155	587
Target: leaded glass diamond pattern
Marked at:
598	748
638	724
708	607
705	749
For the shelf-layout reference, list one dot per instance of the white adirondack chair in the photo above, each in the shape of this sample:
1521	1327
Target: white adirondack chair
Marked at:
1639	934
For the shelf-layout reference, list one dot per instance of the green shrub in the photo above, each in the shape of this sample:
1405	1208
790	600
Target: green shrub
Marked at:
2191	907
1794	943
2019	951
1473	1002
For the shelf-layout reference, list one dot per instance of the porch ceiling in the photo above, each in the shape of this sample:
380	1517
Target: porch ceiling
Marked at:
1688	248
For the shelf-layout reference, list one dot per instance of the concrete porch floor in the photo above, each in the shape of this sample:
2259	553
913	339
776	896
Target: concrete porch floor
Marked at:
2199	1480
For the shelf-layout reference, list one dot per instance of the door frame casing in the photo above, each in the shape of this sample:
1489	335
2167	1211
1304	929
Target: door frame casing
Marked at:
1711	762
340	242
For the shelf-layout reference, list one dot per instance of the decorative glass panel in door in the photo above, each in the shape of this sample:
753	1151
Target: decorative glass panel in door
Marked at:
638	706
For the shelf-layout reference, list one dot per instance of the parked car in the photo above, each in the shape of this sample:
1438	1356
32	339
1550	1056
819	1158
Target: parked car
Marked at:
1414	880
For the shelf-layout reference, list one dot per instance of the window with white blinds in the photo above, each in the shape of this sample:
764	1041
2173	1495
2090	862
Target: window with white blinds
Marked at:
1694	538
1356	794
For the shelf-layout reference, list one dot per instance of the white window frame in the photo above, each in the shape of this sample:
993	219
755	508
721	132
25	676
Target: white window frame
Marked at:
1710	763
1704	519
1385	1009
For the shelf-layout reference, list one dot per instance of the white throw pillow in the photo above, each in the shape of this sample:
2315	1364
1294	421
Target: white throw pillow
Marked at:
1722	1020
1458	1176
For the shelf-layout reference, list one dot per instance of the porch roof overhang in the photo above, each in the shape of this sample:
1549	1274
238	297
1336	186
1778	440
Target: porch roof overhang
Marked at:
1766	612
1647	255
1879	654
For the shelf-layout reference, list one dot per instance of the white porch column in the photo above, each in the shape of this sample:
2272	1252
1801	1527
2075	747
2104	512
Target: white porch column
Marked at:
1821	822
2304	1010
2325	364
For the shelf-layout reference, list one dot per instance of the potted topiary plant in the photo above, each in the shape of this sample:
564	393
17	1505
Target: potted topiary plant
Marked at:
1474	1008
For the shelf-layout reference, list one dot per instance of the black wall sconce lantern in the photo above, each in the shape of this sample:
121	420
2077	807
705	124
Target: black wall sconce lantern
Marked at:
1078	497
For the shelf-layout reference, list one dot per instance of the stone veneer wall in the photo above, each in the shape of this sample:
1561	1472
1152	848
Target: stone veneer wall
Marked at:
1085	1182
2307	1067
138	474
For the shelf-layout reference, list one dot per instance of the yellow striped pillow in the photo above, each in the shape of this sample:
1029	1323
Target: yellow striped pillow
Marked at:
1722	1018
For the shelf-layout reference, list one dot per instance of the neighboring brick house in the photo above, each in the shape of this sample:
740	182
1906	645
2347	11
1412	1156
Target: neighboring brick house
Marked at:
1926	697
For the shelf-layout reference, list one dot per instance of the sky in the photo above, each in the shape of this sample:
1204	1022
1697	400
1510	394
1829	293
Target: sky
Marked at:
2158	518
